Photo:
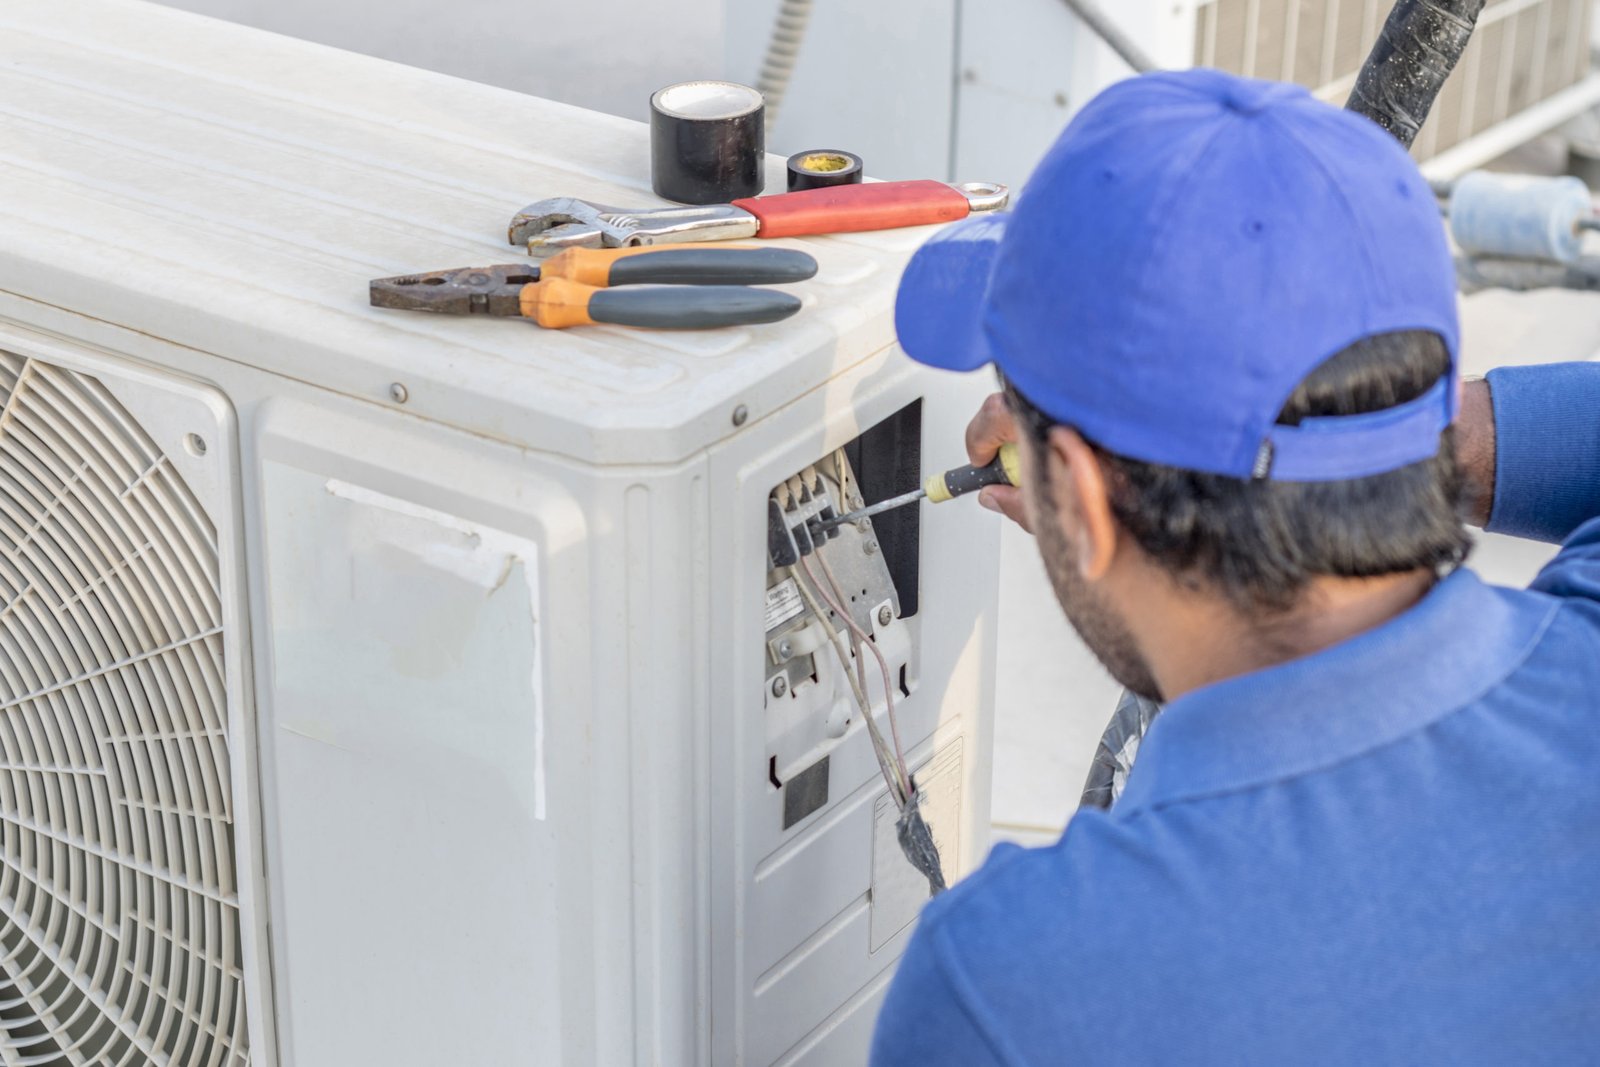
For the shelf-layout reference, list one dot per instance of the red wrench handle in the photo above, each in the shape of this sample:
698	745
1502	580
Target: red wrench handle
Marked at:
853	208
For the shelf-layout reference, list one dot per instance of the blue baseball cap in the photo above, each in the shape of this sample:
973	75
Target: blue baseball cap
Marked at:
1192	247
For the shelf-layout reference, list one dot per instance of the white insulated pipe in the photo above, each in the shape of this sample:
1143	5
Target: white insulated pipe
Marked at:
1520	216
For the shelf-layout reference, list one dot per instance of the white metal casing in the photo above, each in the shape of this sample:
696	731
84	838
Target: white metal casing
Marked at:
495	699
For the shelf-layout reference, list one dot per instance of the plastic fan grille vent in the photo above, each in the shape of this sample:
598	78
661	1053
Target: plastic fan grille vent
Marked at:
119	916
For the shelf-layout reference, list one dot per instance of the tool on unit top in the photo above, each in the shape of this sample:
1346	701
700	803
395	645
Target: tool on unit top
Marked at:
675	288
550	226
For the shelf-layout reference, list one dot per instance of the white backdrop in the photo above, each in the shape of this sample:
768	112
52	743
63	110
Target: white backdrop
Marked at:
609	55
965	90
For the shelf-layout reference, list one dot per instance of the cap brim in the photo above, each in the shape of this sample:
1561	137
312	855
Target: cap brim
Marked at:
938	314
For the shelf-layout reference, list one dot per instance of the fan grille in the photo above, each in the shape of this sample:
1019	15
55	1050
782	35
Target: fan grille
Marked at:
119	914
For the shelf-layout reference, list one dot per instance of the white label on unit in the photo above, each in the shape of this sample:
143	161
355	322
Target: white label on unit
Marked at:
783	603
479	555
899	890
406	725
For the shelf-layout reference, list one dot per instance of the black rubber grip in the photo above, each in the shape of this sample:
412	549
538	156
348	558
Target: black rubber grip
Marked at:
714	266
1415	52
691	307
965	480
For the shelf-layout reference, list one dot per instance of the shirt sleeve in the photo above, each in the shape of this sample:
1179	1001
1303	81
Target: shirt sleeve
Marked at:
925	1022
1547	449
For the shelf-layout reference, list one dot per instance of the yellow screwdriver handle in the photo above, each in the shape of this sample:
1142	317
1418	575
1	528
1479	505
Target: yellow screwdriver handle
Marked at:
1011	460
1004	469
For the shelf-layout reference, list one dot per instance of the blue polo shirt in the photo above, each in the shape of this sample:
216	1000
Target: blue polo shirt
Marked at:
1387	852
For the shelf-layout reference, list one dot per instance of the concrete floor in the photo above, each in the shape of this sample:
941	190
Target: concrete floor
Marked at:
1053	699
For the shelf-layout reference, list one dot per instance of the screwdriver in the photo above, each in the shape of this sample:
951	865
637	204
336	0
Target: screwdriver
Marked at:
1004	469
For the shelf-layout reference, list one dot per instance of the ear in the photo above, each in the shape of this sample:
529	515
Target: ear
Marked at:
1083	503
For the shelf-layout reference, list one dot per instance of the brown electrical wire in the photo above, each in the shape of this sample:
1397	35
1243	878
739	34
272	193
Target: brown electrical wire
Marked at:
842	475
863	638
894	774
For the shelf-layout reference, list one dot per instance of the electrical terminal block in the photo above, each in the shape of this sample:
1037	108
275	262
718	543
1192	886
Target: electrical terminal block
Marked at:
797	516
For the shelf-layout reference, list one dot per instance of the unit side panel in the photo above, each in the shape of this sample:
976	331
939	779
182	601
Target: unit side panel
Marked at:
1027	66
813	901
427	759
649	722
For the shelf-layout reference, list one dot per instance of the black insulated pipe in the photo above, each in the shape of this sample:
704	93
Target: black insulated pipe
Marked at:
1420	45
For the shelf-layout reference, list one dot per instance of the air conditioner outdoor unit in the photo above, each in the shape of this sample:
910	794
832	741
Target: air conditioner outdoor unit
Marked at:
381	688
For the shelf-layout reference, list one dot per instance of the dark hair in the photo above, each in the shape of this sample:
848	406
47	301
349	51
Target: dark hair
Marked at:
1261	542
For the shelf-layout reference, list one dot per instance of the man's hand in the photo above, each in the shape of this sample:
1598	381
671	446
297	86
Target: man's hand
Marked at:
992	427
1474	434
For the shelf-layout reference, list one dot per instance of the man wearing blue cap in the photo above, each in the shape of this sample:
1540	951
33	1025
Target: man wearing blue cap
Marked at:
1366	827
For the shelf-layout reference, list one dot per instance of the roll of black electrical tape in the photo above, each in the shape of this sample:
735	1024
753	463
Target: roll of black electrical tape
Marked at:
822	169
707	142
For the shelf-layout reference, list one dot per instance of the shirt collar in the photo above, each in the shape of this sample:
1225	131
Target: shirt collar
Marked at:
1459	641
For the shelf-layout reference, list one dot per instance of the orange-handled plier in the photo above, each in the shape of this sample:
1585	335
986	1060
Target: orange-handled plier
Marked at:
679	288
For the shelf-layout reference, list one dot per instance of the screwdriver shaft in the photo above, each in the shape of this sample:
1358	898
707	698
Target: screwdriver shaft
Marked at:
886	505
1002	470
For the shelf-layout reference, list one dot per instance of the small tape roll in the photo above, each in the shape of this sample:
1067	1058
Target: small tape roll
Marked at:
708	140
1521	216
823	168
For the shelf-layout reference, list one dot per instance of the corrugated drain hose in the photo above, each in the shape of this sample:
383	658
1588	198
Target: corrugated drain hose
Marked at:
783	50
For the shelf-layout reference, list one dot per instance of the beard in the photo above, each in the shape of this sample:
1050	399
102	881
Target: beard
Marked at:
1098	624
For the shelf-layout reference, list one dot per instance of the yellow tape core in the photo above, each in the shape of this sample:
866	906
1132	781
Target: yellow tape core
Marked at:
824	163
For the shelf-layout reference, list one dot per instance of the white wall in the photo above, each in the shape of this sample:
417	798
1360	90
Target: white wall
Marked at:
968	90
874	77
609	55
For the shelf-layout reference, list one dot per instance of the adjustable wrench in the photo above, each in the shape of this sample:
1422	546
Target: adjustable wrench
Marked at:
551	226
